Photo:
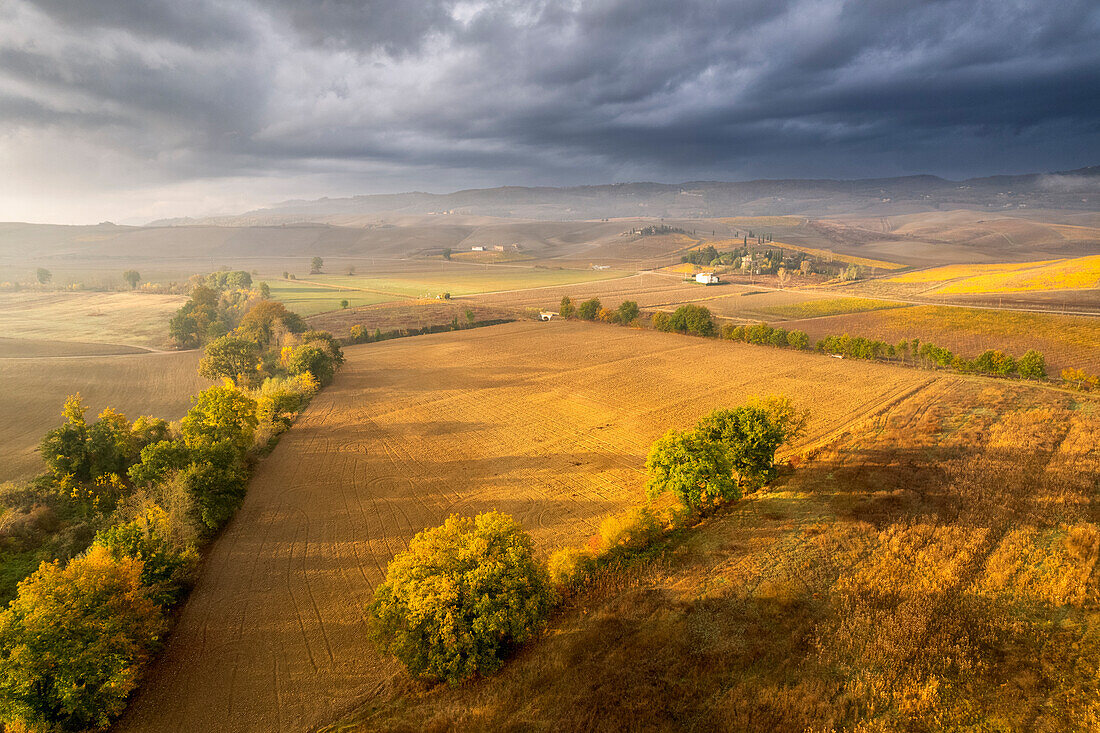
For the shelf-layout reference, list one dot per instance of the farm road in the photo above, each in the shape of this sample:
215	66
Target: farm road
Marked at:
549	422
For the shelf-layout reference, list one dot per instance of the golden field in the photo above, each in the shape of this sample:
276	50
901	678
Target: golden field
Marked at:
544	421
932	568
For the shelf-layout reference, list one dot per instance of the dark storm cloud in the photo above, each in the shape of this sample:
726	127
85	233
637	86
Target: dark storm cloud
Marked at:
557	92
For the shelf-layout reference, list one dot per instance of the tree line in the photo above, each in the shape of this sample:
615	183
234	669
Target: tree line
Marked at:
123	509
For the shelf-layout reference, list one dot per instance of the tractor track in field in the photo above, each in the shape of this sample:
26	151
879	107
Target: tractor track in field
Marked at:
548	422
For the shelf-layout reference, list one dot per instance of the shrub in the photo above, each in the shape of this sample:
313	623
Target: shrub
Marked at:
463	594
73	643
1032	365
358	334
567	309
310	359
231	357
570	565
633	530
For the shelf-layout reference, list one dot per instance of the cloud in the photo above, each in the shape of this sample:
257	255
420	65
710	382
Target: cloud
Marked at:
149	98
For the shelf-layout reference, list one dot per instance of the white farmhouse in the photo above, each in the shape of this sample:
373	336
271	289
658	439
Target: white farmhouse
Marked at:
707	278
477	248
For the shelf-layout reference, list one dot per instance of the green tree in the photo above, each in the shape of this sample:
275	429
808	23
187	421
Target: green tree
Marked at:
798	340
690	318
315	266
310	358
751	434
265	291
74	641
158	461
996	362
215	480
43	275
447	252
344	303
65	448
627	312
696	470
461	597
1032	365
232	357
132	278
567	309
222	416
589	309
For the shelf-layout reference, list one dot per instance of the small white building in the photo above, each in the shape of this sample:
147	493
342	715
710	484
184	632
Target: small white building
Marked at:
546	315
707	278
477	248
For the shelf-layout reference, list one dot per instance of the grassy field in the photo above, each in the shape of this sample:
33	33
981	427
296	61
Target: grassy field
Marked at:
827	307
549	422
1065	341
133	319
35	388
934	568
307	299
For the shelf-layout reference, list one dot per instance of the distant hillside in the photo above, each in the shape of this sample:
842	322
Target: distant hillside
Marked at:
1077	190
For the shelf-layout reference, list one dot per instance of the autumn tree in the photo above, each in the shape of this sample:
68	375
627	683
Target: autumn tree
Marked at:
461	597
566	309
74	641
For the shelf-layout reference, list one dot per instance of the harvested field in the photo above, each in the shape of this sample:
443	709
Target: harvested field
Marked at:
545	421
34	348
133	319
1065	341
35	388
932	569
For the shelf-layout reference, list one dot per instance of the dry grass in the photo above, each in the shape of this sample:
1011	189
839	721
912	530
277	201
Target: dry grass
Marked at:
133	319
544	421
933	569
764	221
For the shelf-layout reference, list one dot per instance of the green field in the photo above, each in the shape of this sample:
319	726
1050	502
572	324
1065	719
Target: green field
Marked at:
307	299
827	307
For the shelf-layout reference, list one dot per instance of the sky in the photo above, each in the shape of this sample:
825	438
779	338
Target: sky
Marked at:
132	110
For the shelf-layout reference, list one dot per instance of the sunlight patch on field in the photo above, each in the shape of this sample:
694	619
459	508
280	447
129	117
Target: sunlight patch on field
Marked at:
952	272
1081	272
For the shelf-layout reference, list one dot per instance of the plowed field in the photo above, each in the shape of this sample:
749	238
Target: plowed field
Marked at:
134	384
547	421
